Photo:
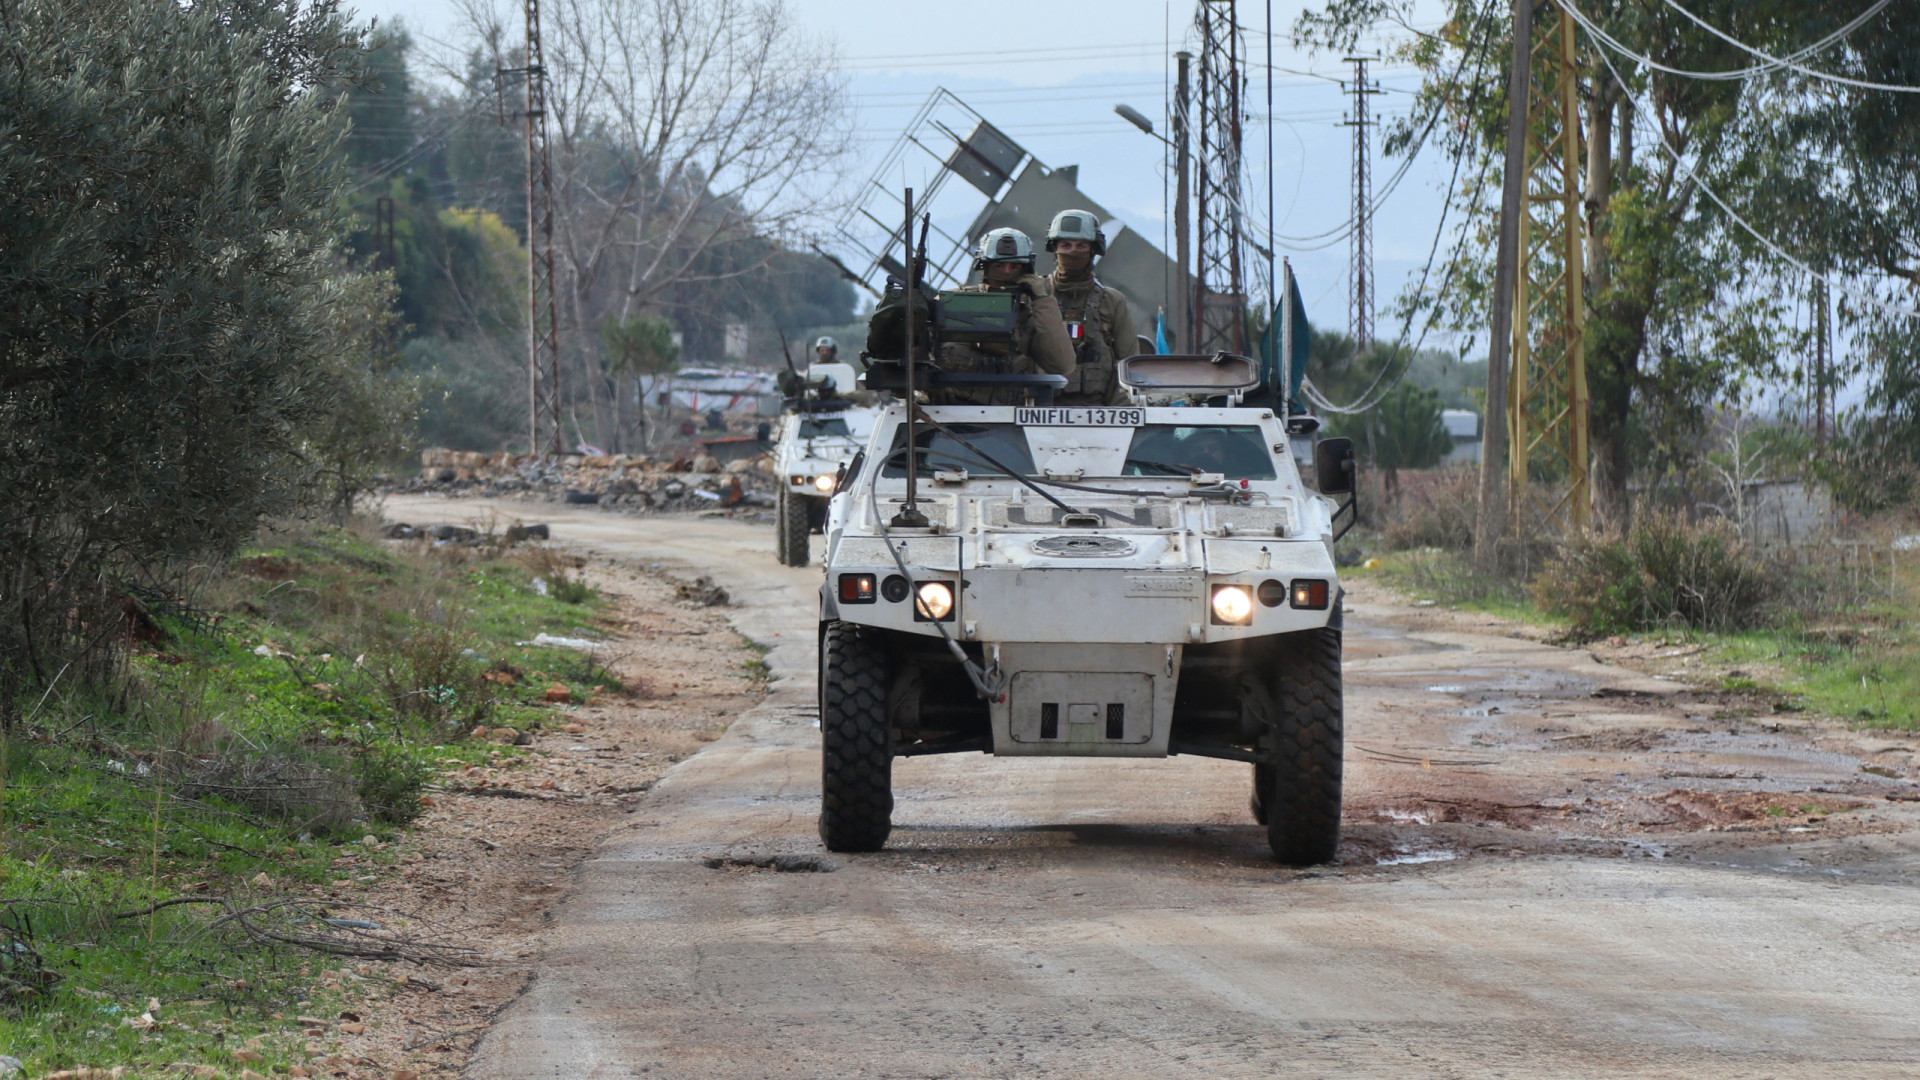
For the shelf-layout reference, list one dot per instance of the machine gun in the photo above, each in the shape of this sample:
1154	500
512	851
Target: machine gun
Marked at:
937	318
801	394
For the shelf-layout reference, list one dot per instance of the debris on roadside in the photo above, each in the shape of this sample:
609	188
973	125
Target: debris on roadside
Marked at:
703	592
727	473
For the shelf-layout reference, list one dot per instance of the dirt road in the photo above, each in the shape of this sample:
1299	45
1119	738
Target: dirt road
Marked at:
1553	868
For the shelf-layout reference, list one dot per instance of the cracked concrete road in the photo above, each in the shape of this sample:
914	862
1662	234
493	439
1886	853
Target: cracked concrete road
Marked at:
1552	868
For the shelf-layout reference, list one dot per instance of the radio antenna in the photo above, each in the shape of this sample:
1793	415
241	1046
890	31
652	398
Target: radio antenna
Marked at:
910	516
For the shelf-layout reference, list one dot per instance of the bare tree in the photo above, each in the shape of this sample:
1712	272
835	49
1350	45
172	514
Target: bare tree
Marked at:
690	138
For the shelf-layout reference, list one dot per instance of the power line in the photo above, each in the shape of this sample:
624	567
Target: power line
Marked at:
1367	399
1693	173
1059	52
1788	62
1774	64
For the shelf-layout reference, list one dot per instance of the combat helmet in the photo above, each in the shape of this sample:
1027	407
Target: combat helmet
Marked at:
826	343
1076	225
1004	245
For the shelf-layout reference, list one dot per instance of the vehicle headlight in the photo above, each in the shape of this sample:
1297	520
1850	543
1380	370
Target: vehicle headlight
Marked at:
934	600
1232	605
824	481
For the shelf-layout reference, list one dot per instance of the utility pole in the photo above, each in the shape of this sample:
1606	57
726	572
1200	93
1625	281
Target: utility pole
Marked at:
1493	427
544	437
1822	361
1220	295
1183	306
1360	243
1547	401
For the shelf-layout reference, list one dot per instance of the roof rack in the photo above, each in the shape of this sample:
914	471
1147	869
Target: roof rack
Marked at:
1163	375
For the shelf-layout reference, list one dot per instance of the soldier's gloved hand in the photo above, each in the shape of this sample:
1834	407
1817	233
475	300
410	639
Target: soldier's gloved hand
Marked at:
1030	284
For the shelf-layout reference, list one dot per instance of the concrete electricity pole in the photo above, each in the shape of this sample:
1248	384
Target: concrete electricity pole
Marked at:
1492	526
1182	221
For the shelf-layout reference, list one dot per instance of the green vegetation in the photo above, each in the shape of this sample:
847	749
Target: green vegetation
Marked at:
257	754
1666	571
1822	652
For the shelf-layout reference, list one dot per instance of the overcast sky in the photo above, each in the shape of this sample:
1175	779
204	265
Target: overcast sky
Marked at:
1051	83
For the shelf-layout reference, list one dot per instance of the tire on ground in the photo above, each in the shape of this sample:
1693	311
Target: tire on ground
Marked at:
856	759
790	515
1302	799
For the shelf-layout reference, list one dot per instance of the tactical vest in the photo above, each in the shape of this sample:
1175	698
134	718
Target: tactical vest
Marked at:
988	359
1096	370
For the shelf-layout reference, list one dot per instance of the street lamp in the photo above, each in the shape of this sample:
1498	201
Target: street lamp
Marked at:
1182	308
1138	119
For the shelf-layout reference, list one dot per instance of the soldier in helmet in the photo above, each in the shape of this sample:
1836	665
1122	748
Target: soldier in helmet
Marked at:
825	351
1040	345
1098	319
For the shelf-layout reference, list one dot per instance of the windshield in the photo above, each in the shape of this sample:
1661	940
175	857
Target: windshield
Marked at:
1004	443
816	427
1238	453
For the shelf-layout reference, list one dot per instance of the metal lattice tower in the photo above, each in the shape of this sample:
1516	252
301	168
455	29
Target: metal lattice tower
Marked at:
543	309
1547	402
1220	294
1360	242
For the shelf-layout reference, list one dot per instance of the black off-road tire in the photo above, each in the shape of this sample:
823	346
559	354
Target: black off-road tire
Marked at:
791	519
856	751
1301	803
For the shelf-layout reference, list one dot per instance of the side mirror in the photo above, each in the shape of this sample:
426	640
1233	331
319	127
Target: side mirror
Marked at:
1333	466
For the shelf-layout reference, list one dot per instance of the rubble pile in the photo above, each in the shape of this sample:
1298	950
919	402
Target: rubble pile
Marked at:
694	480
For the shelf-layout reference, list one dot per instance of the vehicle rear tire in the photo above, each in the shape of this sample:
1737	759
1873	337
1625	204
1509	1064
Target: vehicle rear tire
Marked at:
790	514
1300	800
856	749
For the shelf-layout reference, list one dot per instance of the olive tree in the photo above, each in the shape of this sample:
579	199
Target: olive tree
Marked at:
168	191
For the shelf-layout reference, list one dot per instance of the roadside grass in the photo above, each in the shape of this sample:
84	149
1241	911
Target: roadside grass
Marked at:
269	737
1860	665
1448	578
1869	679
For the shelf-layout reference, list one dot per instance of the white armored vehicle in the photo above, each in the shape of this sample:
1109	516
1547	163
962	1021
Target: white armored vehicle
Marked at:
1136	581
824	426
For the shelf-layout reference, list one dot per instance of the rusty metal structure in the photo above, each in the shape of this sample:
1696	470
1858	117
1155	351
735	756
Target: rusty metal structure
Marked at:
1220	284
1547	401
1360	291
544	438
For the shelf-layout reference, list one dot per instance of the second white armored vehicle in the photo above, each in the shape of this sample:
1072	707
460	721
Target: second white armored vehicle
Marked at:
1136	581
825	425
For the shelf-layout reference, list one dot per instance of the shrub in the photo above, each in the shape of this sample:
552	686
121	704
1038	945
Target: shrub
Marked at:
1435	510
1666	571
430	675
389	781
556	569
283	783
169	193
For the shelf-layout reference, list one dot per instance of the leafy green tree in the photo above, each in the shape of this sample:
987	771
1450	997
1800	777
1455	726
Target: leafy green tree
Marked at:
1683	303
636	348
169	190
1403	431
379	106
372	405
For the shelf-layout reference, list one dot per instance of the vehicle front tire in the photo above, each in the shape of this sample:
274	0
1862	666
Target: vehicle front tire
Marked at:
1300	800
790	514
856	750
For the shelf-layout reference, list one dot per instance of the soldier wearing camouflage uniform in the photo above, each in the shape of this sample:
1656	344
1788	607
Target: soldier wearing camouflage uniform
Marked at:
1098	319
1040	344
